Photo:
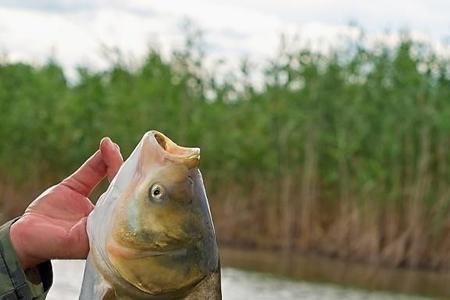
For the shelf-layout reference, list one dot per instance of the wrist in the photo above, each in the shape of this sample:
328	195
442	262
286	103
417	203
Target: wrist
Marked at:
18	235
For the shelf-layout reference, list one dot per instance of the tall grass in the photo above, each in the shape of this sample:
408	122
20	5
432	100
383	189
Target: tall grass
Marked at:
343	154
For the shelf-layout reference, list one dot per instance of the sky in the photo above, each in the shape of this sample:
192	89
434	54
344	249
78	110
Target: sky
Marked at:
77	32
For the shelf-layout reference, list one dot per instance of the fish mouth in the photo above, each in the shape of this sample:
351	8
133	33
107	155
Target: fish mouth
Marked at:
190	157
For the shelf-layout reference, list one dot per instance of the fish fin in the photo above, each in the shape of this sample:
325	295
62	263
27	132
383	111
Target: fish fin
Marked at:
109	294
208	289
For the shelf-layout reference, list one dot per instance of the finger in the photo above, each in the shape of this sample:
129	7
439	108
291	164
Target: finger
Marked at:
111	156
85	179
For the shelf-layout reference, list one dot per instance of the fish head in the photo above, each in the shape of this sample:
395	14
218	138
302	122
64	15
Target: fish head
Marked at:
162	239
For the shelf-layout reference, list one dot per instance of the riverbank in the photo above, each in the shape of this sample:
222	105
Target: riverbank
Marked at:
272	215
313	268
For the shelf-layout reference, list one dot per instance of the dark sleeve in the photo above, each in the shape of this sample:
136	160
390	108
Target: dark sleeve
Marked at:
16	283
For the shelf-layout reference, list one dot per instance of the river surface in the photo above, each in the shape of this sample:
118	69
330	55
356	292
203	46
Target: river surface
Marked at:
268	281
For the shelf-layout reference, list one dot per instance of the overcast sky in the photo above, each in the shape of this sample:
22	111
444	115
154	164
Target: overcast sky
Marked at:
73	31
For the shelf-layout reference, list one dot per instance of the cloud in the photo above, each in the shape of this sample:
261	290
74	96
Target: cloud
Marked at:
74	32
53	6
78	37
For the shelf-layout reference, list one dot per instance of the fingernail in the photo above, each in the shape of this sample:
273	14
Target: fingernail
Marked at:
106	140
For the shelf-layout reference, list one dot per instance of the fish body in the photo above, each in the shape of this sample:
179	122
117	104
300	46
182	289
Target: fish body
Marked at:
151	234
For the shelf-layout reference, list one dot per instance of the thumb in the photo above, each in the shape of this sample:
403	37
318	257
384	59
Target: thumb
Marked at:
111	156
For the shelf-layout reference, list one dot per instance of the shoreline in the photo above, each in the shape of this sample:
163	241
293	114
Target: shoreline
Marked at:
323	255
322	269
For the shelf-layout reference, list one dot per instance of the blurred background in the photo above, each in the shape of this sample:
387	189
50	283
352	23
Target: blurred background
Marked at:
324	128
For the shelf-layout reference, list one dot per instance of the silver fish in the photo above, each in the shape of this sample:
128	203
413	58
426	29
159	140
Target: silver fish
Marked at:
151	234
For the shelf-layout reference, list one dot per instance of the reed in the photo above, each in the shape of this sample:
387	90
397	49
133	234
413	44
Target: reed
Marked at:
343	154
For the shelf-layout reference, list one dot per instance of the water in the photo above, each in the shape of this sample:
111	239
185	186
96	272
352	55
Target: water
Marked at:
236	285
310	268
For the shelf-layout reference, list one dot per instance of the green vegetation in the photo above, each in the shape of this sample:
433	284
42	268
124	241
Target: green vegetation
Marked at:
343	154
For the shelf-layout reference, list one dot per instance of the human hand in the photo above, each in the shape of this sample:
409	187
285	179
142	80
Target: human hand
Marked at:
54	224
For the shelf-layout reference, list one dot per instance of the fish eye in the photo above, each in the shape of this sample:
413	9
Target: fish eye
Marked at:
157	193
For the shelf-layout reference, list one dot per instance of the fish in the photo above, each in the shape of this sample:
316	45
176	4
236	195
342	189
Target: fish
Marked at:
151	234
